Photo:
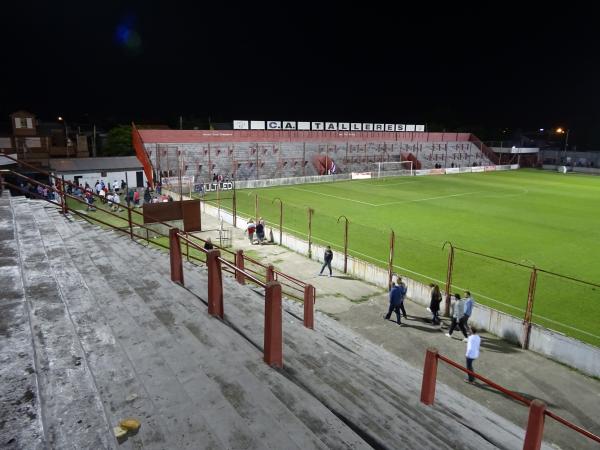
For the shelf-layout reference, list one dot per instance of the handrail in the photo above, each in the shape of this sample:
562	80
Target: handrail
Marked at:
428	390
224	261
518	264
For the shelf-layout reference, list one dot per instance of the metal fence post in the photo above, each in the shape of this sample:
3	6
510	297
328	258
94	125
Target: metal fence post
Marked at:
129	221
239	263
309	306
215	283
429	376
270	276
535	426
175	256
449	272
391	258
234	206
529	310
310	213
273	336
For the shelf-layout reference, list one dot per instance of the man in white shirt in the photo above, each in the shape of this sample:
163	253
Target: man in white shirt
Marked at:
473	343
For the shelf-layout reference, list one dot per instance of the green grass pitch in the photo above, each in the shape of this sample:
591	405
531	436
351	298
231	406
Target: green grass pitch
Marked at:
534	217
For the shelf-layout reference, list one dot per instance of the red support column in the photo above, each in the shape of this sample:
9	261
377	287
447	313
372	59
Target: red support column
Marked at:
270	273
535	426
273	327
429	376
239	263
215	283
309	306
175	256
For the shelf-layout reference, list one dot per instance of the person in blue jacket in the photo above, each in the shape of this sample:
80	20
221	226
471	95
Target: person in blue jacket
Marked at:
397	294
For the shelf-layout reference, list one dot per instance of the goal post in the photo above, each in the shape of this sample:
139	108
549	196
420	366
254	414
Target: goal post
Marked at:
394	169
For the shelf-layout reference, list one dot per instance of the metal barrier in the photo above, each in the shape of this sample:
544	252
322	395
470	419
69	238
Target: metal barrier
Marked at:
537	408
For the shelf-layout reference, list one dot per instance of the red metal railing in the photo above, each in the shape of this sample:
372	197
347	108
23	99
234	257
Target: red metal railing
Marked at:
537	408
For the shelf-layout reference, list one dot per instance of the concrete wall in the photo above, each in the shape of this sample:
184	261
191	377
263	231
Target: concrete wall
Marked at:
589	170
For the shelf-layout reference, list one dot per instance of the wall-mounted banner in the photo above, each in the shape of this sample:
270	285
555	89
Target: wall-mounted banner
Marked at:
212	187
325	126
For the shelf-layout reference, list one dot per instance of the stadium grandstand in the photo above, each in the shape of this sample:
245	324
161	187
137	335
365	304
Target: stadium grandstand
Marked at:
265	154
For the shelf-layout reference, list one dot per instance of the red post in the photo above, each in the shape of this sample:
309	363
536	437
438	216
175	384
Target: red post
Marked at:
273	327
215	283
65	207
535	426
270	273
175	256
429	376
239	263
309	306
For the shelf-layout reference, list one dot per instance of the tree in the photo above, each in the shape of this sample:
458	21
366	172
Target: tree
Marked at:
118	142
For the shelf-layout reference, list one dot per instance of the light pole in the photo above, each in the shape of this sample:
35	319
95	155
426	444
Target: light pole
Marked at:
560	130
61	119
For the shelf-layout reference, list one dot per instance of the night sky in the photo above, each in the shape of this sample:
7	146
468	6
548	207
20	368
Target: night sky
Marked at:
474	68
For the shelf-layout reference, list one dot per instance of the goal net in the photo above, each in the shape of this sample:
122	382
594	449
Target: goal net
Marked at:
393	169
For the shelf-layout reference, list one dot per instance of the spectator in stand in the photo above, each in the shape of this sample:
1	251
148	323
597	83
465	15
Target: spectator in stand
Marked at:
102	195
116	203
158	187
98	187
457	309
396	299
251	228
208	245
123	185
136	198
434	305
260	231
327	258
473	344
147	196
116	186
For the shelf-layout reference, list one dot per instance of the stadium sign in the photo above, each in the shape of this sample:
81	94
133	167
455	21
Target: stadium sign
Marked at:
212	187
323	126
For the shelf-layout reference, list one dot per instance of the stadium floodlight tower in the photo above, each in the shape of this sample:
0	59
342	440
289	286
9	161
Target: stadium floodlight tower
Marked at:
394	169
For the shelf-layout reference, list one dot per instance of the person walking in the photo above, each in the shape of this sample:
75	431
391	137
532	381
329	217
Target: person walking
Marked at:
434	304
328	257
403	291
251	228
469	302
457	309
260	231
396	300
473	344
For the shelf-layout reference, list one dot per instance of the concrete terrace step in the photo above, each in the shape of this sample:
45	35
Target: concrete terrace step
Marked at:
328	378
20	418
204	377
72	412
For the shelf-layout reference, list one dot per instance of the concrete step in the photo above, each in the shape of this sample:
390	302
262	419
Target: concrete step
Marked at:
20	412
256	403
181	313
72	411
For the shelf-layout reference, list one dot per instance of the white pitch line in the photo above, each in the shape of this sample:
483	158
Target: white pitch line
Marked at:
334	196
393	184
427	199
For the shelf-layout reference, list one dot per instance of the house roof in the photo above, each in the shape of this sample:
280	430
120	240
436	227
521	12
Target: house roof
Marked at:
103	164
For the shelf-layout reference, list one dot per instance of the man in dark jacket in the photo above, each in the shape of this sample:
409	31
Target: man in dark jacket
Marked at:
327	263
397	294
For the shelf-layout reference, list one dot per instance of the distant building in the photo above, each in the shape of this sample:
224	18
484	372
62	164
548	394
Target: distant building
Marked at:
109	169
37	143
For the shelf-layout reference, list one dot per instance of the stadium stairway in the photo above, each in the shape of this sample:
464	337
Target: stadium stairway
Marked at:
93	331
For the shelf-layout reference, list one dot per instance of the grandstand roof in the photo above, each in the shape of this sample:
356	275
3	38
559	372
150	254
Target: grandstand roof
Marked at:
194	136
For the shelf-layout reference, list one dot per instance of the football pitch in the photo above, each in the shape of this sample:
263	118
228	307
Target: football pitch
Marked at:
531	217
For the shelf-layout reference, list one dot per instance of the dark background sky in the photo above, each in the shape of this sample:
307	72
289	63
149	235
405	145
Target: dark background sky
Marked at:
481	68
